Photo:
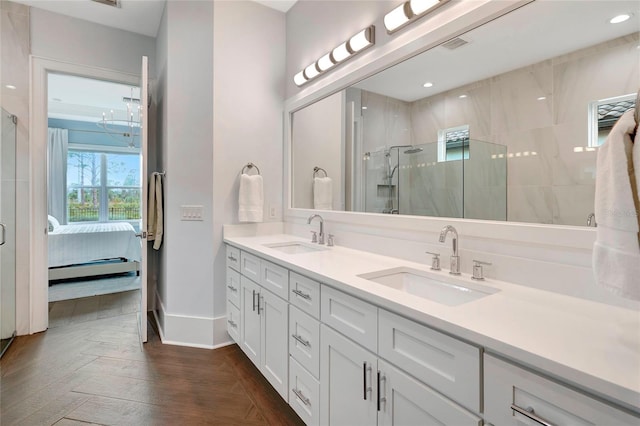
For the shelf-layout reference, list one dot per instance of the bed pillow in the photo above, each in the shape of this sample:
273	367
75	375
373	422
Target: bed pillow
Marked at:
53	223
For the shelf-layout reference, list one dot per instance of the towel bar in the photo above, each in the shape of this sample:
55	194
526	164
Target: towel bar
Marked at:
317	169
250	166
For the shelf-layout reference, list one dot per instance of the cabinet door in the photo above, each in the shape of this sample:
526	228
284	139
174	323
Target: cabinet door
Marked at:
515	396
250	320
406	401
348	387
274	319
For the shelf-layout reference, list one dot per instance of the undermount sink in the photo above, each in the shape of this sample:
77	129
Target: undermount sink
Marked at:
446	291
294	247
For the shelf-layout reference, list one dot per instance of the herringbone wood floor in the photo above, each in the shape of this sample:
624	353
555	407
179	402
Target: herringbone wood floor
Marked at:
90	368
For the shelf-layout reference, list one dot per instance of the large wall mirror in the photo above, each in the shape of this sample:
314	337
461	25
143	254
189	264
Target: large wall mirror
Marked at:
500	123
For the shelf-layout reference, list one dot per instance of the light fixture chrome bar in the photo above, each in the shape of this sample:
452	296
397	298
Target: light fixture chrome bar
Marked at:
345	50
408	12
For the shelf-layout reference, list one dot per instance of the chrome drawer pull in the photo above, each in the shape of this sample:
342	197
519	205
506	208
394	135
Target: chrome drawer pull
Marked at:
232	258
232	323
301	340
301	294
301	397
529	413
232	288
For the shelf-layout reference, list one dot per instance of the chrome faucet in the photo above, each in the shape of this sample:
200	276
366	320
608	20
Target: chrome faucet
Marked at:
591	219
455	259
321	233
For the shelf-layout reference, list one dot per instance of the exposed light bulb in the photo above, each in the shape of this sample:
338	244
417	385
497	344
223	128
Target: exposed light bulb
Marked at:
341	52
420	6
427	84
311	71
396	18
11	86
462	96
360	40
542	98
325	62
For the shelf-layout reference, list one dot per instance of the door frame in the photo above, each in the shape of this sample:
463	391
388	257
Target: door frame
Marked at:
38	108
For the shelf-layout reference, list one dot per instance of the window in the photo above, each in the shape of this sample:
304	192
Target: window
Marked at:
604	113
453	143
103	186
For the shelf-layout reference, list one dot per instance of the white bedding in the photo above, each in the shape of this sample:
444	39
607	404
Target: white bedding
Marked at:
83	243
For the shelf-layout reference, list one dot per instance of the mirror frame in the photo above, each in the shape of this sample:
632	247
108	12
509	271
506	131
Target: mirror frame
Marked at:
456	20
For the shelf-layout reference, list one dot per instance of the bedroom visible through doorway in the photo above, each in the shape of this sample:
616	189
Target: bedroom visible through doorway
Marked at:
94	187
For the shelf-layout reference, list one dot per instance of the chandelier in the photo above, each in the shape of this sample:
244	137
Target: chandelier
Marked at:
123	126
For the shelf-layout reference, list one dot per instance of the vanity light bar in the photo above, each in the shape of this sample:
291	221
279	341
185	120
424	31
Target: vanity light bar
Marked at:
356	43
408	12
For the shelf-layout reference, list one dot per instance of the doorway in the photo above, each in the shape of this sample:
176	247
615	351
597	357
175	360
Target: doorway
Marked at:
100	185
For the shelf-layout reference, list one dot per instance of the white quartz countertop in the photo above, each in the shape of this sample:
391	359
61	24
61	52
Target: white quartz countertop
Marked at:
591	345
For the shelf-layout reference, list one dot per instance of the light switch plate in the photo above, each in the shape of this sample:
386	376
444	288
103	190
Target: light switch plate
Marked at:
191	212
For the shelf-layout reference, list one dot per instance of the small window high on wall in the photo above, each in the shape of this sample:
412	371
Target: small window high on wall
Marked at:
453	143
102	186
604	114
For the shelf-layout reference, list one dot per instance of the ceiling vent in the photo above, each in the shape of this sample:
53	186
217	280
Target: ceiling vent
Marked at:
454	43
113	3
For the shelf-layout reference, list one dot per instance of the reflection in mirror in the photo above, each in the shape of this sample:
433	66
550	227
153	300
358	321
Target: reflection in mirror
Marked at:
502	123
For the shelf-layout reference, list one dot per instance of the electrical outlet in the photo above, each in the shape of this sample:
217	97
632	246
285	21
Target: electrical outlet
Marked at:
272	211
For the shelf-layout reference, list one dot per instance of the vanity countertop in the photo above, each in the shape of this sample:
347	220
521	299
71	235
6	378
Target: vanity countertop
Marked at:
592	345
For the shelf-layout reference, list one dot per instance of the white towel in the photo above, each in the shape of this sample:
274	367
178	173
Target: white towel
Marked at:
250	199
616	252
322	193
155	218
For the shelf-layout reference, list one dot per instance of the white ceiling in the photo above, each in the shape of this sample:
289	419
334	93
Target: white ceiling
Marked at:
138	16
535	32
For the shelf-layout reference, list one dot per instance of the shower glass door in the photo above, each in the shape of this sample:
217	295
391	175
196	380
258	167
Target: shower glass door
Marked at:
7	230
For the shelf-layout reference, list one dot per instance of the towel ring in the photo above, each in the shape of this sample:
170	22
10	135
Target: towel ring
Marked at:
317	169
249	166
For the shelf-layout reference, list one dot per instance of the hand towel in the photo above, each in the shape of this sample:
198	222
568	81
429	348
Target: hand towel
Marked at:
154	211
250	199
616	252
322	193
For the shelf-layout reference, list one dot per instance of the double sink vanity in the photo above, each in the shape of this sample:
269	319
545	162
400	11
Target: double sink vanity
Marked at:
349	337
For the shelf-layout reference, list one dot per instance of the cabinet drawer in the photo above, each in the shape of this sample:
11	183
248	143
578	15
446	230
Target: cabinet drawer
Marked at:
352	317
509	388
305	294
250	266
304	342
233	258
233	322
304	394
275	278
440	361
233	287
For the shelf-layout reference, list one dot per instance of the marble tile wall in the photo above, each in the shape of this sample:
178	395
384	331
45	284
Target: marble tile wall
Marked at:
14	71
539	113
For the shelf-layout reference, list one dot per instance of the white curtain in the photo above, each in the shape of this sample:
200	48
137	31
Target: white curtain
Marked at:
57	171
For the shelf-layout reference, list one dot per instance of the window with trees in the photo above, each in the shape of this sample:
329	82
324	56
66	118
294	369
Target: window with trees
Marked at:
103	186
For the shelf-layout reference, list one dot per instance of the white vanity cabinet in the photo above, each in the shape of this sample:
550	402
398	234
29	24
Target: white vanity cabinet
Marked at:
516	396
233	292
264	321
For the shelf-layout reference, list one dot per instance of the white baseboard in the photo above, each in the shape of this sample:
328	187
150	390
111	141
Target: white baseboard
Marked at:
220	336
182	330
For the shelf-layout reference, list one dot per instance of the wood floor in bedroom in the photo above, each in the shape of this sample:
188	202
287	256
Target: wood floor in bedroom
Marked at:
91	369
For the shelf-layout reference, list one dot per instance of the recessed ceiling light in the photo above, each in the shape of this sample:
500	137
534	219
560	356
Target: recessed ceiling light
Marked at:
427	84
542	98
10	86
620	18
364	107
462	96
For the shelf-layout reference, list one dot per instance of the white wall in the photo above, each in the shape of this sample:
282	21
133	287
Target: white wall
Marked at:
73	40
249	58
185	131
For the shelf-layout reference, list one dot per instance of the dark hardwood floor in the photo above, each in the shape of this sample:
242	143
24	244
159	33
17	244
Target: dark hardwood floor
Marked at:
90	369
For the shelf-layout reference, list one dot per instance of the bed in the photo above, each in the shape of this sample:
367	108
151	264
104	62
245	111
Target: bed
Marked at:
90	249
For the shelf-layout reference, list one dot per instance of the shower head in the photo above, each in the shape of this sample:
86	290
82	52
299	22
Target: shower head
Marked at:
413	150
